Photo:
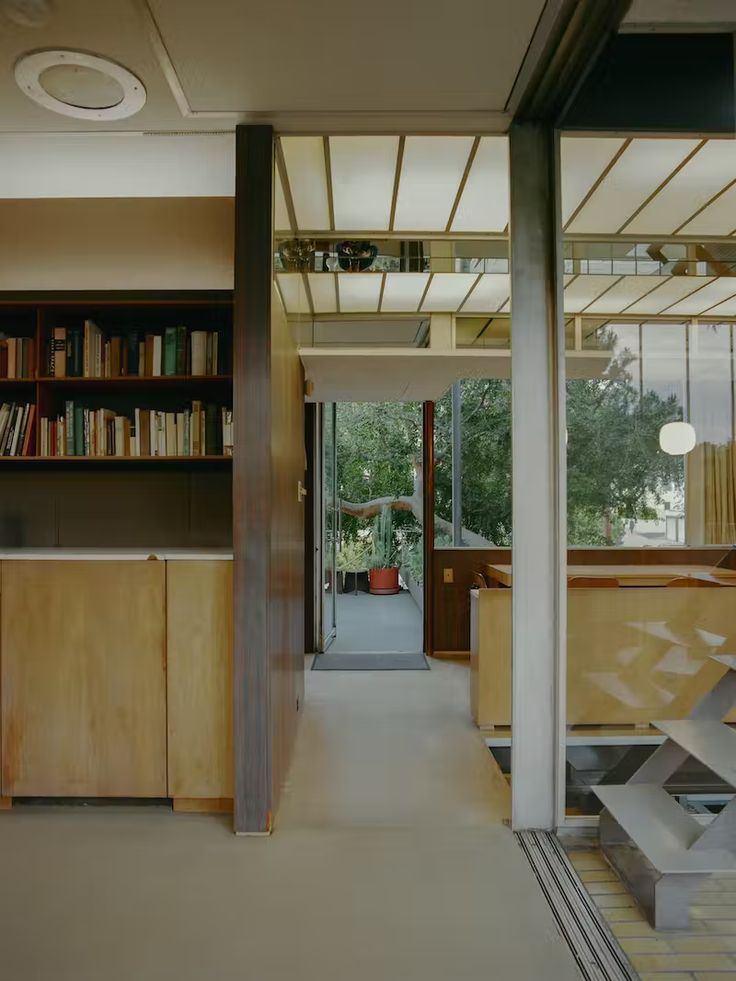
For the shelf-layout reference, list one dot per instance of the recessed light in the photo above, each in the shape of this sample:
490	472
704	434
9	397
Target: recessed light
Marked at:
80	85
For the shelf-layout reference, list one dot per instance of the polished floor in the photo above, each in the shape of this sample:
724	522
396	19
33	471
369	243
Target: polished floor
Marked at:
390	862
377	623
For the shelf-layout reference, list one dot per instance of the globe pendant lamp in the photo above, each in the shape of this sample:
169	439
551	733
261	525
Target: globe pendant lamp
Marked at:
677	438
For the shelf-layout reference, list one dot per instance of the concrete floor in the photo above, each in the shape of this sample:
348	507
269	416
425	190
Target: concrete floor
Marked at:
389	863
377	623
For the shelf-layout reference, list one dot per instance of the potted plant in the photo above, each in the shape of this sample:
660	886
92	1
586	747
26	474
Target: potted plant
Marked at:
352	561
383	575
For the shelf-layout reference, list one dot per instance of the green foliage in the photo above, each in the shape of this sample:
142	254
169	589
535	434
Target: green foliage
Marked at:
616	470
378	446
384	545
353	556
412	558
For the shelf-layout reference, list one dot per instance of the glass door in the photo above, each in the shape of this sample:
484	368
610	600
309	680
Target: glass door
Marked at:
330	518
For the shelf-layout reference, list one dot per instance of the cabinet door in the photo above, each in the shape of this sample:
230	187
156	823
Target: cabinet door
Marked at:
199	605
83	679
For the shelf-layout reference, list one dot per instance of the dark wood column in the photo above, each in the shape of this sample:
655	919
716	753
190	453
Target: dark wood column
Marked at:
252	479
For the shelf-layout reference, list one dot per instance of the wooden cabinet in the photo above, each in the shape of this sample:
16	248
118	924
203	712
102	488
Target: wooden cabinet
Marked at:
83	678
199	680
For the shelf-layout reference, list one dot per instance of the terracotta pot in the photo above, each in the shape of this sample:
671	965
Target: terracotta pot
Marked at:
384	581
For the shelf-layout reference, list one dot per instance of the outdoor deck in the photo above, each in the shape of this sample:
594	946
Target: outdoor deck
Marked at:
377	624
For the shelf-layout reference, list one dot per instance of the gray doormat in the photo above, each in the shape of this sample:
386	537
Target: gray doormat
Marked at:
362	661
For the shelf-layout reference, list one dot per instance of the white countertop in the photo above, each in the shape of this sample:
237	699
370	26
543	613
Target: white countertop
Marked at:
115	554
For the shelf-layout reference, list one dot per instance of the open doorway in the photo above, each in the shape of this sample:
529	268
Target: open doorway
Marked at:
371	517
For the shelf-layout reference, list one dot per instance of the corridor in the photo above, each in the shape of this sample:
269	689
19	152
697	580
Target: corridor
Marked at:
390	862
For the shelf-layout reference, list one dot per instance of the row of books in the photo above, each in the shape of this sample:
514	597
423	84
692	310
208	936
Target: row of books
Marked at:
17	357
87	352
202	430
16	428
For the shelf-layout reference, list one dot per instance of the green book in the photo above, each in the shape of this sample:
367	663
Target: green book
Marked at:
170	351
69	428
78	430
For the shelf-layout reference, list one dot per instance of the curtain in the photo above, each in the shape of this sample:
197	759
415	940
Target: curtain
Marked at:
710	495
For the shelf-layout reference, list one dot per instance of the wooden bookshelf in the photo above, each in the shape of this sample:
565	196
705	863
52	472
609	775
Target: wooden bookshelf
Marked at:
116	316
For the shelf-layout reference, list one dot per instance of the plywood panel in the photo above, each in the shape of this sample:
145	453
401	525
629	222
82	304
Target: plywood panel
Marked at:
83	679
634	654
288	462
116	244
199	631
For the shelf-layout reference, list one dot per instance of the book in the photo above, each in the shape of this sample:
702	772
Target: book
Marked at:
169	367
133	345
69	429
157	355
58	365
196	430
181	351
199	352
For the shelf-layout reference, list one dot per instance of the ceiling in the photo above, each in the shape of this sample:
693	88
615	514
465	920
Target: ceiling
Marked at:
486	293
381	375
314	66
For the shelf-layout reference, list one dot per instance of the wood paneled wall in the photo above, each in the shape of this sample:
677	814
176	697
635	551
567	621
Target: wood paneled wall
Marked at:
288	463
116	244
452	602
268	523
120	509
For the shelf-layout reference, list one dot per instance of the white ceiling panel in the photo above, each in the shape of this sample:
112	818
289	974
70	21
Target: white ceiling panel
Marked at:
639	171
584	289
623	294
484	205
447	291
709	296
281	214
322	286
583	160
431	172
719	218
293	292
671	291
725	309
403	292
363	173
709	171
491	291
305	165
359	293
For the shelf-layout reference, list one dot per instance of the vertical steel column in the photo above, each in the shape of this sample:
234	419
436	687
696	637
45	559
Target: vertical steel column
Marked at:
539	526
457	466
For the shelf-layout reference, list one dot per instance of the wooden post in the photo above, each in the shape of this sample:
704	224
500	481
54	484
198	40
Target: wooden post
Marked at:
252	478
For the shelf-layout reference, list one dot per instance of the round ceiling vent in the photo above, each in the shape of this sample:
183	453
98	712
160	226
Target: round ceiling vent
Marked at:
81	85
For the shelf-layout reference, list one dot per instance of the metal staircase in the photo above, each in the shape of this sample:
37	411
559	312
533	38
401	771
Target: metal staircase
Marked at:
660	851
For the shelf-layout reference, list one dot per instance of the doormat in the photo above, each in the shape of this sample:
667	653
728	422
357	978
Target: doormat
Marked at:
363	661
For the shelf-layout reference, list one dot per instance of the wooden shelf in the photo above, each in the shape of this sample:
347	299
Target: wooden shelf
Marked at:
18	381
117	459
134	380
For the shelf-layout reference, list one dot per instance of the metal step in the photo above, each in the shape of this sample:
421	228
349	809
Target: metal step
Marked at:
711	743
661	830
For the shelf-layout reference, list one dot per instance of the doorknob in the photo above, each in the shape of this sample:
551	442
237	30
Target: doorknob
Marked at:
301	491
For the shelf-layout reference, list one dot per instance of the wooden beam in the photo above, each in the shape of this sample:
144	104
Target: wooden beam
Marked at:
252	749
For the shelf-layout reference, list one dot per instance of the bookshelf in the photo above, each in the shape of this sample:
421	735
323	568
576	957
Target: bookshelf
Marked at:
89	386
97	497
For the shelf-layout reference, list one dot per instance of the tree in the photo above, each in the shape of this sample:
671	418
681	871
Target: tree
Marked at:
616	470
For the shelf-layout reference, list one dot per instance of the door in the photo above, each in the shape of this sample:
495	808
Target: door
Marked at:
330	522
